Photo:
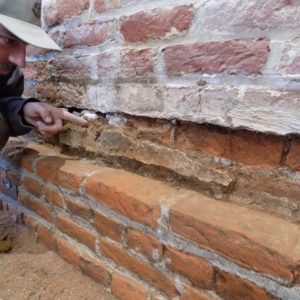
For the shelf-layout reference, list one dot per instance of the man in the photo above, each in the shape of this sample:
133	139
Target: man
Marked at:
18	19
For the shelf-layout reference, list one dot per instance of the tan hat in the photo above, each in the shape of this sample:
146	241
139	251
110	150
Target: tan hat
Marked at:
22	19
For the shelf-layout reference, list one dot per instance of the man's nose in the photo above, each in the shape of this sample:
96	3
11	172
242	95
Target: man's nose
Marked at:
18	55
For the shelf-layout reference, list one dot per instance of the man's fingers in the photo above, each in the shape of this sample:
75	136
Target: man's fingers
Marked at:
67	116
52	129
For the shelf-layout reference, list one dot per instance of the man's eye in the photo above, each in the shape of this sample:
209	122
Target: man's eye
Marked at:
8	41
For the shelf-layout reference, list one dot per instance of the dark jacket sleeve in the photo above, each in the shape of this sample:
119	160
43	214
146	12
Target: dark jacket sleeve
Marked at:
11	102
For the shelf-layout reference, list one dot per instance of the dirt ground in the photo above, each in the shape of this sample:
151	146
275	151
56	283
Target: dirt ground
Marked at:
31	271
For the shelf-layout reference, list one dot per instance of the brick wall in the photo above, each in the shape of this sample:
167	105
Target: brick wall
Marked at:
189	102
144	239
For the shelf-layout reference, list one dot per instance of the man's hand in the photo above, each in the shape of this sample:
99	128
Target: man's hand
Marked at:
47	118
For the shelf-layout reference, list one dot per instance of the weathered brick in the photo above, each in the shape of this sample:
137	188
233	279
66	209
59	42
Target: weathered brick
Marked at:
95	269
78	208
53	197
60	10
63	172
68	251
28	159
247	147
118	191
46	91
137	62
35	71
108	65
71	68
156	24
189	293
30	222
87	34
232	287
127	289
108	227
293	158
144	244
99	6
76	231
232	57
201	273
249	238
32	186
139	267
37	207
46	236
239	17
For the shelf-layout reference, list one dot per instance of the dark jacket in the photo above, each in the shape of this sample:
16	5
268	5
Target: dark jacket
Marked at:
11	102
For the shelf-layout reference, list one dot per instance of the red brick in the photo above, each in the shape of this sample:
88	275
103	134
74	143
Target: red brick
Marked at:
244	236
107	64
293	158
35	71
95	269
68	251
156	24
32	186
118	191
63	172
53	197
28	159
89	34
201	273
71	68
37	207
144	244
46	237
243	146
76	231
137	62
190	293
138	267
99	6
231	57
232	287
78	208
127	289
108	227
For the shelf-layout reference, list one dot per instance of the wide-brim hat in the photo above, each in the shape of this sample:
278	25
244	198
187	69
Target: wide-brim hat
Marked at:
22	19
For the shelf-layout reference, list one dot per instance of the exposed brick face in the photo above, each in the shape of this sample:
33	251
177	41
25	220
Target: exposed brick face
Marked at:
233	57
127	289
155	25
232	287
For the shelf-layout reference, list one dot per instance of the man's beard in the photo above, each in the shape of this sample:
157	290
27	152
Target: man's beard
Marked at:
6	68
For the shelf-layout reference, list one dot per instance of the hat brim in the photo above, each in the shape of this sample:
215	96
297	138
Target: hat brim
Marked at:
28	33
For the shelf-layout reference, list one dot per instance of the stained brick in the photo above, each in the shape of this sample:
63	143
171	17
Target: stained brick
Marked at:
76	231
156	24
46	236
145	244
35	71
88	34
118	191
247	237
140	268
293	158
127	289
232	287
95	269
78	208
197	270
53	197
189	293
108	227
68	252
232	57
37	207
32	186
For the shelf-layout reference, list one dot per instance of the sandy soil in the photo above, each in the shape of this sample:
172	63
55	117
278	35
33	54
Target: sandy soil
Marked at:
31	271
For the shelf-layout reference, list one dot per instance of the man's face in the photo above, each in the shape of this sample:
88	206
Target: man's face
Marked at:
12	51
